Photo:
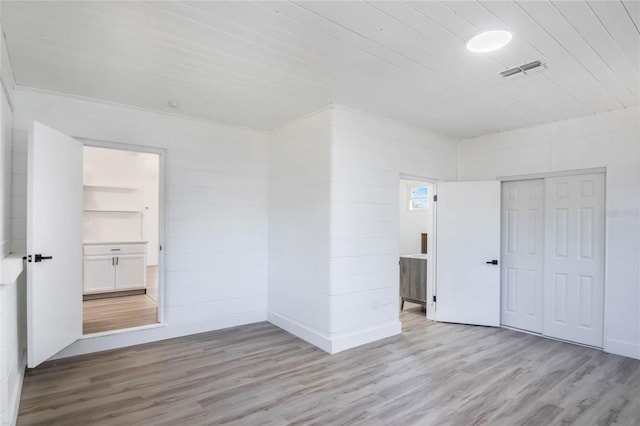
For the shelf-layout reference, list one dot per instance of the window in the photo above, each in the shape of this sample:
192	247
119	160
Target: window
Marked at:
418	197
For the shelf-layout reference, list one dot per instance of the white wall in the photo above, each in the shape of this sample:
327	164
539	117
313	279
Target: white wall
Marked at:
413	223
216	207
6	123
368	155
12	288
299	183
334	222
6	116
610	140
12	340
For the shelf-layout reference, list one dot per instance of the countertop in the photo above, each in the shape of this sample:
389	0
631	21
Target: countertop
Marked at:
100	243
416	256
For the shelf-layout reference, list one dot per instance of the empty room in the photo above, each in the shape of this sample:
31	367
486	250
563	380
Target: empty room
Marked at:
320	213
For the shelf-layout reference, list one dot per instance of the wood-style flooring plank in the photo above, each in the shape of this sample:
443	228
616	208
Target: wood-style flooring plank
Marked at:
432	374
116	313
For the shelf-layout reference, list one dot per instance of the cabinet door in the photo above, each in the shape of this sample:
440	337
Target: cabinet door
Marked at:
130	271
98	274
413	278
405	278
419	279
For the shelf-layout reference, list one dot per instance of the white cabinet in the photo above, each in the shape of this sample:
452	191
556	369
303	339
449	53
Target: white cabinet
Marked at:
114	267
99	274
130	271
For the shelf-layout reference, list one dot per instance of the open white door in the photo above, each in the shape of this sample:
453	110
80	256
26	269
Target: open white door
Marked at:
468	243
54	243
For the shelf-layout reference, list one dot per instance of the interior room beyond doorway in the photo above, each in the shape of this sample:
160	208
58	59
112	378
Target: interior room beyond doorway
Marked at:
416	243
121	239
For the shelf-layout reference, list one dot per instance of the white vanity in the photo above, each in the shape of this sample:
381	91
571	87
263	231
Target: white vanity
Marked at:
114	266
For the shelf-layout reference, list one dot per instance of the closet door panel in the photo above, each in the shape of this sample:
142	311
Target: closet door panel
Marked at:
574	259
523	254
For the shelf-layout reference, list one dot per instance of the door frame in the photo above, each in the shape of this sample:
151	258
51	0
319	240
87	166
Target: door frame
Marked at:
161	224
575	172
431	271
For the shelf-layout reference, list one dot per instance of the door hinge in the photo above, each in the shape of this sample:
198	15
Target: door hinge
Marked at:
160	247
434	298
435	198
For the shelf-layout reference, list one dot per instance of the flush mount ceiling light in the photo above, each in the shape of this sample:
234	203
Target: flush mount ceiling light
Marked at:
489	41
174	103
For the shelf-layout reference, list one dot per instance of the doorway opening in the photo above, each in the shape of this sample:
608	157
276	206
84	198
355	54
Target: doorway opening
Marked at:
416	246
121	232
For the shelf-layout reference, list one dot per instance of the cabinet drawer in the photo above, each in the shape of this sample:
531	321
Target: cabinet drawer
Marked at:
94	250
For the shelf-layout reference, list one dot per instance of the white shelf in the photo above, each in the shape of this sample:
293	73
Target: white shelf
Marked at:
112	211
112	188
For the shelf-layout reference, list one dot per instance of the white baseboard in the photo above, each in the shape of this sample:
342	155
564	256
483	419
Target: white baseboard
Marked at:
300	330
618	347
147	335
15	405
337	342
351	340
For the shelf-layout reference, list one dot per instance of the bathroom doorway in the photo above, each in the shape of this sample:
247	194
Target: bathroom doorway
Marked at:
416	245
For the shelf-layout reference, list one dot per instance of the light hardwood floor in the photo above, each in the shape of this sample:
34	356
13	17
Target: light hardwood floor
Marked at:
432	374
116	313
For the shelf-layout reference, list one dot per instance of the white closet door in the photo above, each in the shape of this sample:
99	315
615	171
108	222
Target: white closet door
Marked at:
522	274
574	258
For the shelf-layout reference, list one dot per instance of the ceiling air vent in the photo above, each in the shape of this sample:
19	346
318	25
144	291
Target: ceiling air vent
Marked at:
524	69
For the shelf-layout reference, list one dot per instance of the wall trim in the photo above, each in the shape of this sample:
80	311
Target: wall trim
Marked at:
392	121
135	337
339	342
15	406
362	337
408	176
7	86
299	330
5	248
328	107
554	174
19	87
7	94
618	347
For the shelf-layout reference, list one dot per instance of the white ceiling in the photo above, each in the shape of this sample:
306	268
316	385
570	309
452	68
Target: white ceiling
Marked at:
263	64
